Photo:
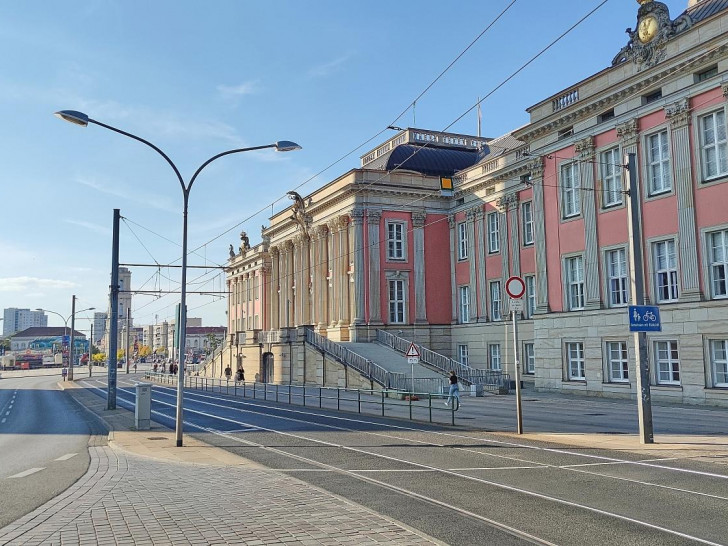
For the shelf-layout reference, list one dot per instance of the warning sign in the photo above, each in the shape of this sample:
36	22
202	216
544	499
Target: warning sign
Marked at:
412	351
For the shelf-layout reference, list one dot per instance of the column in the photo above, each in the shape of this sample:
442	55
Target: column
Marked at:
334	265
274	288
307	278
539	236
470	216
418	234
453	258
247	282
343	246
679	116
265	297
482	309
374	218
357	222
504	204
585	149
515	239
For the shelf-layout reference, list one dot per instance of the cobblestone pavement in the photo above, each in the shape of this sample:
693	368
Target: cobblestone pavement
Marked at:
129	499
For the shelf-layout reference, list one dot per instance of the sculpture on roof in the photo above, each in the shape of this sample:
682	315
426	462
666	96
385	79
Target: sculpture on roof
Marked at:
244	242
299	210
232	252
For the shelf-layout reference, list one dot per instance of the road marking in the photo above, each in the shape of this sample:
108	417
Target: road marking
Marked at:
4	419
66	456
7	413
26	473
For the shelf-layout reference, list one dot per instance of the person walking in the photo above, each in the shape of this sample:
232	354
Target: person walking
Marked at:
228	373
454	390
240	375
64	373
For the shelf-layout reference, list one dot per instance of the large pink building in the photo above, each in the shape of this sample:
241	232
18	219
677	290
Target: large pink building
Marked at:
382	247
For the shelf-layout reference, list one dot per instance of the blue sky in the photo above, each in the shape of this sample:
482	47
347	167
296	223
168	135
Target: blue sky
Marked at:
199	78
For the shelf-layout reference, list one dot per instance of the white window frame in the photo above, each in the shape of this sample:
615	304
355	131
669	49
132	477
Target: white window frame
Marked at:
398	305
718	362
529	358
494	357
666	277
575	366
574	272
462	241
617	361
617	277
493	223
659	173
718	263
611	173
527	222
718	148
463	354
494	290
570	190
396	241
667	364
464	303
530	281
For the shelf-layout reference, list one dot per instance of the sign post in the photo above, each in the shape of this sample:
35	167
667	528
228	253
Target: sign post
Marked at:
515	288
413	357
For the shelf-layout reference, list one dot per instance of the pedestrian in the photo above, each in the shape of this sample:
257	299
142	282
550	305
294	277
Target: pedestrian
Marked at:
454	390
134	367
228	373
240	375
155	367
64	373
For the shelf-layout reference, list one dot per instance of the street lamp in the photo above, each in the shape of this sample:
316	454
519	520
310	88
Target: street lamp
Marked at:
79	118
65	330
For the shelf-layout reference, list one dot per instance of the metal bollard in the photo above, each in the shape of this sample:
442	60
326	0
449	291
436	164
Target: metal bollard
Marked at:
382	403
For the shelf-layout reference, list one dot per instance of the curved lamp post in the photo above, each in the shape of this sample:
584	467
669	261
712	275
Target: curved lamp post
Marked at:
65	330
79	118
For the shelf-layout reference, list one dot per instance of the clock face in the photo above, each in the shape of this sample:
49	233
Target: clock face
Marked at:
647	29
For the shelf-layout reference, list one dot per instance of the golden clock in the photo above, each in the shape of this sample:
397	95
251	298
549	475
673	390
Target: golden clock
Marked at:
647	29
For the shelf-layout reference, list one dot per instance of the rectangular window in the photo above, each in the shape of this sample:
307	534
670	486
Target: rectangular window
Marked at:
718	252
495	301
665	271
611	170
570	199
464	304
462	241
575	282
530	281
395	241
658	163
493	233
713	145
396	301
719	362
575	361
494	356
706	74
617	275
667	362
527	220
652	97
463	355
618	362
529	358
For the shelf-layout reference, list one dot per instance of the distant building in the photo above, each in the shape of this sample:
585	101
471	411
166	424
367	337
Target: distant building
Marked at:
15	320
100	326
46	338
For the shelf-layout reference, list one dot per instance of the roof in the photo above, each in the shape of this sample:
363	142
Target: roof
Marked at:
427	160
706	8
47	331
501	146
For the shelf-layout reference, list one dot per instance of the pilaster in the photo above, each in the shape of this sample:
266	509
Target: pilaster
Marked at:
470	216
375	268
482	285
453	258
539	237
585	149
357	222
418	235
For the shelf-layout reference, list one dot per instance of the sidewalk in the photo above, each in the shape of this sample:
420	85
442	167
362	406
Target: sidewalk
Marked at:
140	489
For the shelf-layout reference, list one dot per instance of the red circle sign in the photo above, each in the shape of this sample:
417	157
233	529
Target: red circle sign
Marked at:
515	287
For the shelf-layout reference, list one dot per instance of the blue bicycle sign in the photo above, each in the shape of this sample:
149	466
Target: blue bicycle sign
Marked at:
644	318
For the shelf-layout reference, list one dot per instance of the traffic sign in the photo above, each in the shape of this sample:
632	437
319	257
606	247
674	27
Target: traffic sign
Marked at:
515	305
644	318
515	287
412	351
413	360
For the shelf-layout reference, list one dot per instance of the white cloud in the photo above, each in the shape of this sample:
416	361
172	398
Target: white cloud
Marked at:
234	92
118	190
326	69
31	285
88	225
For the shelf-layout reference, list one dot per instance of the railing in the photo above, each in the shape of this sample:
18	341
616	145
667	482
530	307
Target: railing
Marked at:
367	368
210	359
567	99
385	402
492	380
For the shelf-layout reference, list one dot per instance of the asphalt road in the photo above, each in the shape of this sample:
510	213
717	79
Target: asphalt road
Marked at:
44	438
464	486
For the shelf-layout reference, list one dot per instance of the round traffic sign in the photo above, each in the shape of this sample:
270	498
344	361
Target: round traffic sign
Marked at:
515	287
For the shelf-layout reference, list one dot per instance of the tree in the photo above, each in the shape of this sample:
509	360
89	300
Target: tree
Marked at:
98	356
145	350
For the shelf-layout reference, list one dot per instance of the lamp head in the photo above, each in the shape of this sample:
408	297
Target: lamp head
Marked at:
286	146
72	116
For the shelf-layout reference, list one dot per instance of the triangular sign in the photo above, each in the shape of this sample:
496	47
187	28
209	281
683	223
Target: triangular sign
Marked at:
412	351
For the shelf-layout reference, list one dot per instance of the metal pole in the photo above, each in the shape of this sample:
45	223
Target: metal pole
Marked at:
90	347
644	399
127	352
183	318
519	409
70	348
113	316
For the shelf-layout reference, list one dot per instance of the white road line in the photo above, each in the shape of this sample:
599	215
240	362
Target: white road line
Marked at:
7	413
4	419
66	456
26	473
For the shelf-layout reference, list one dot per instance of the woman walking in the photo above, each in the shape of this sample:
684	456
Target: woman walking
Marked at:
454	394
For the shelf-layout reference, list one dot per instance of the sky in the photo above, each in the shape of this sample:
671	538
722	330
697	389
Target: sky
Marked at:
200	78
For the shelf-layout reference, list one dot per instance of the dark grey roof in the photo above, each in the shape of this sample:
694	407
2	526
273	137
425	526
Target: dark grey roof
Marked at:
47	331
427	160
705	9
501	146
